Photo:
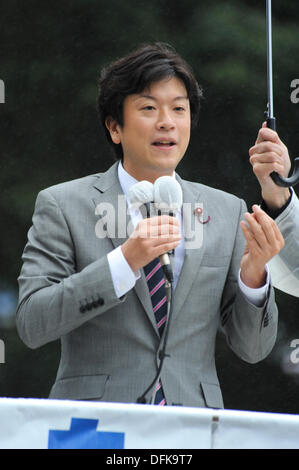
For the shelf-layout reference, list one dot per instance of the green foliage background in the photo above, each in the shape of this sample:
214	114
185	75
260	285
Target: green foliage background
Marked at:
51	54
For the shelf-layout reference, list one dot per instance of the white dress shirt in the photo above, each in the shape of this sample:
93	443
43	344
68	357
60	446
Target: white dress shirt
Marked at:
124	278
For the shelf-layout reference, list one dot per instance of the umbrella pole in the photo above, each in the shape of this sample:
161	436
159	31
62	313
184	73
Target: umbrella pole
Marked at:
271	121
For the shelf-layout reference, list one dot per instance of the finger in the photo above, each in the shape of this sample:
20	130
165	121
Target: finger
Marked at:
265	169
163	219
161	227
162	230
265	133
163	246
271	230
277	241
269	226
266	223
249	237
148	224
157	231
266	147
270	157
256	229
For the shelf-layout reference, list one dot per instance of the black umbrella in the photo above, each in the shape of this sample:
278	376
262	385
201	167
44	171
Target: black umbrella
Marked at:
271	122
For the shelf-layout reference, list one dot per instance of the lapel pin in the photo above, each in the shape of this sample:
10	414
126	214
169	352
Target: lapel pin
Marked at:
198	213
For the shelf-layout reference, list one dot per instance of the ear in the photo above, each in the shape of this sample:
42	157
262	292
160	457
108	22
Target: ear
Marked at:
114	129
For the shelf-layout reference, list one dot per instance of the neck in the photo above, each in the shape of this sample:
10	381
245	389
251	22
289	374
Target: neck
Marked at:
147	175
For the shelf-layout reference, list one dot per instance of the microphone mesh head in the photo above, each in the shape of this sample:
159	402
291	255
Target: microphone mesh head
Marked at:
141	193
168	194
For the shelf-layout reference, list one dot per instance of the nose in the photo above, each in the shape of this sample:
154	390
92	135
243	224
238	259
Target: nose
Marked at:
164	121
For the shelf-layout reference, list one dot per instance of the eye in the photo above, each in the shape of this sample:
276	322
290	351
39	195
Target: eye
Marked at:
148	108
179	108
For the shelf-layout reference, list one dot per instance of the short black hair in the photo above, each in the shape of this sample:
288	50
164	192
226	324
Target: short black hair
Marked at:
134	73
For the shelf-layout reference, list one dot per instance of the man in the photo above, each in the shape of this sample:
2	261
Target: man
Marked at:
95	293
267	155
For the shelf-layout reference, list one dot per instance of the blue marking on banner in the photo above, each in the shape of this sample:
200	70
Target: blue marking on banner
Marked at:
83	434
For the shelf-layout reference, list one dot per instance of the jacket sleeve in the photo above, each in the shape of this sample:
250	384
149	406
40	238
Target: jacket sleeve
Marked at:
250	331
284	267
54	298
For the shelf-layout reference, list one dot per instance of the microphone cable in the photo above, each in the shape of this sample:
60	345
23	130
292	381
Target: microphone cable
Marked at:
162	353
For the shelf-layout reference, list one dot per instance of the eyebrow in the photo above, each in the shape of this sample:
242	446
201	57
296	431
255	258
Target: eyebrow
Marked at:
150	97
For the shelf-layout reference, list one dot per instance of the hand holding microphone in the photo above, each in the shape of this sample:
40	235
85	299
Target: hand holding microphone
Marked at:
156	235
152	238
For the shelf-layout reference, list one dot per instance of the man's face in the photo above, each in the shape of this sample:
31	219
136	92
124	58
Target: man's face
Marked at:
156	130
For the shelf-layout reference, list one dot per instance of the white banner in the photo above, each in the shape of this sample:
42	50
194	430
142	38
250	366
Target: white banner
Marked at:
58	424
42	424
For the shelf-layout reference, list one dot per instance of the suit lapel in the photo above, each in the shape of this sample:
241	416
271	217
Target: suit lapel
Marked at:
110	195
111	206
193	238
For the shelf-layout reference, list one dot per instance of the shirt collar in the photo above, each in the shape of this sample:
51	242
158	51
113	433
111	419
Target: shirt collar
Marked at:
126	180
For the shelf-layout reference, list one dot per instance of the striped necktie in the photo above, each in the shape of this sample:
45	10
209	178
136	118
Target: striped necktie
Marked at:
156	284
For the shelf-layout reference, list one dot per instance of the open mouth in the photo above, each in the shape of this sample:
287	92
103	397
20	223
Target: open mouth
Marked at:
164	144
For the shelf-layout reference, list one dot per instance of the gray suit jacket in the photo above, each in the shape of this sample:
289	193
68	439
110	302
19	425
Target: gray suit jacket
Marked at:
109	346
284	267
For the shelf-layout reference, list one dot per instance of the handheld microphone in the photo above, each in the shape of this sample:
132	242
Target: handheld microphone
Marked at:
168	197
141	193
